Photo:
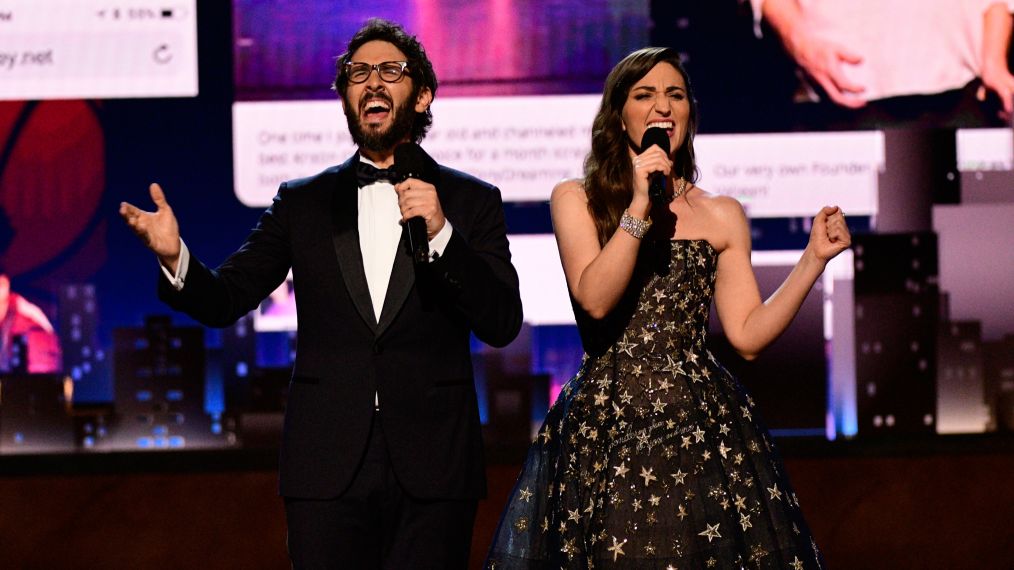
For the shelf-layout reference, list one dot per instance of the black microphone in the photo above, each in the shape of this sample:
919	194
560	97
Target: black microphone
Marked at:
656	180
411	161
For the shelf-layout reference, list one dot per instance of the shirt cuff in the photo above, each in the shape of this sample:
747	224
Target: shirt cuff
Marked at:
439	242
176	280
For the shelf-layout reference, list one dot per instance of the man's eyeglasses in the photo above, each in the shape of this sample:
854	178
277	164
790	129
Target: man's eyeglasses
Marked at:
389	71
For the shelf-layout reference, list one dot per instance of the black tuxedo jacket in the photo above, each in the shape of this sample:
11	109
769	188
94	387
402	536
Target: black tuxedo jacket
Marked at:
416	357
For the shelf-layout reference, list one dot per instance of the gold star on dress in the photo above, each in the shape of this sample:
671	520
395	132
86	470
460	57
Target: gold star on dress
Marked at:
627	347
797	564
617	548
569	549
679	476
776	493
526	493
698	435
682	512
617	410
740	502
710	532
621	470
647	475
643	438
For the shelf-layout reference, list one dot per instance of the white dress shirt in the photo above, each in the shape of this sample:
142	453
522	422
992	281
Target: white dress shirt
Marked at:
379	234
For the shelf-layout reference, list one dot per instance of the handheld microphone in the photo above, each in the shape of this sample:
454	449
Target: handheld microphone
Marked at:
411	161
656	180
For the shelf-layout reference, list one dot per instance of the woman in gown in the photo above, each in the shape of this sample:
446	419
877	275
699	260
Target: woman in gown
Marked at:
653	456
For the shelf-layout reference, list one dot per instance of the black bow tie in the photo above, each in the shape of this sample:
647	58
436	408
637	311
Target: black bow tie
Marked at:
367	174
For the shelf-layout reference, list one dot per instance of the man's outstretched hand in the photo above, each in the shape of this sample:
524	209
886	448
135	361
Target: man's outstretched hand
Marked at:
158	230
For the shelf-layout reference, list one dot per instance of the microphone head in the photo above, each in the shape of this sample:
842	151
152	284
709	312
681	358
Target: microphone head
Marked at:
411	161
654	136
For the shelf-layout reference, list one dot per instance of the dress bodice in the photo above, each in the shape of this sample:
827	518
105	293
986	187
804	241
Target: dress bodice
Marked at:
666	307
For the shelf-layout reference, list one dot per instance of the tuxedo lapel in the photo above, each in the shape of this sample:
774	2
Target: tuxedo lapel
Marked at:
345	234
398	288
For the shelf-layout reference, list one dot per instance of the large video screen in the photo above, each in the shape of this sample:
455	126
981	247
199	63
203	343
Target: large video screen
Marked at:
99	99
779	133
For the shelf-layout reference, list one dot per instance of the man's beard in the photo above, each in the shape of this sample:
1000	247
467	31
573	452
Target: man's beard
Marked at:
379	141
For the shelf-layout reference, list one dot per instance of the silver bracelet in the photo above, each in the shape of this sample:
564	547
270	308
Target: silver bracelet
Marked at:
634	226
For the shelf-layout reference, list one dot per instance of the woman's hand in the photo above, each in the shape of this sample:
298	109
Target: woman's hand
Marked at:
645	164
829	235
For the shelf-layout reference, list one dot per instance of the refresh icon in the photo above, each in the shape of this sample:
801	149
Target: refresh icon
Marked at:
163	54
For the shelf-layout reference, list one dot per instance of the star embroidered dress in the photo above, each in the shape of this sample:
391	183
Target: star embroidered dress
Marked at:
653	456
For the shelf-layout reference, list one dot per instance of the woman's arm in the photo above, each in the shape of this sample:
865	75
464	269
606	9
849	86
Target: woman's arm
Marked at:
749	324
596	276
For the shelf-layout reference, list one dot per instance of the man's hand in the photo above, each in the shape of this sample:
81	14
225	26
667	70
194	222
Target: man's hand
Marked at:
824	61
999	81
997	25
158	230
418	198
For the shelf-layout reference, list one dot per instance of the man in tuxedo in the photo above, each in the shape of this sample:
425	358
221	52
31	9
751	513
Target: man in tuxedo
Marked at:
381	461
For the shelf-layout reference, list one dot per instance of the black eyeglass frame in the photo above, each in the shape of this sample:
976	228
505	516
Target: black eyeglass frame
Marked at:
375	67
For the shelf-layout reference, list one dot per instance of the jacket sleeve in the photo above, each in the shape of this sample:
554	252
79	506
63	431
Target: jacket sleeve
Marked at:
476	273
219	297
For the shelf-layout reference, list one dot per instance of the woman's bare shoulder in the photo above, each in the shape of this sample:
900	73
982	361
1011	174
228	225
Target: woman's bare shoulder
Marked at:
722	217
718	205
568	190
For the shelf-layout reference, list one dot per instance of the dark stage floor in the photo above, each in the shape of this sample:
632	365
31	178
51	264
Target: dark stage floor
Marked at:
942	502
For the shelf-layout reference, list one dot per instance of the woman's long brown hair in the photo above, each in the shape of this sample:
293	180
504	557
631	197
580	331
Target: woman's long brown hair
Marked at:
607	169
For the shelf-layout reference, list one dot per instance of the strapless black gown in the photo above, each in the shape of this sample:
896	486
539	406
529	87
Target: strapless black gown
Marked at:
653	456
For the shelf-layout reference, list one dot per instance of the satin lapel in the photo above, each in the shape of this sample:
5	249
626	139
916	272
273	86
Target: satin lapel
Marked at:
402	280
345	212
